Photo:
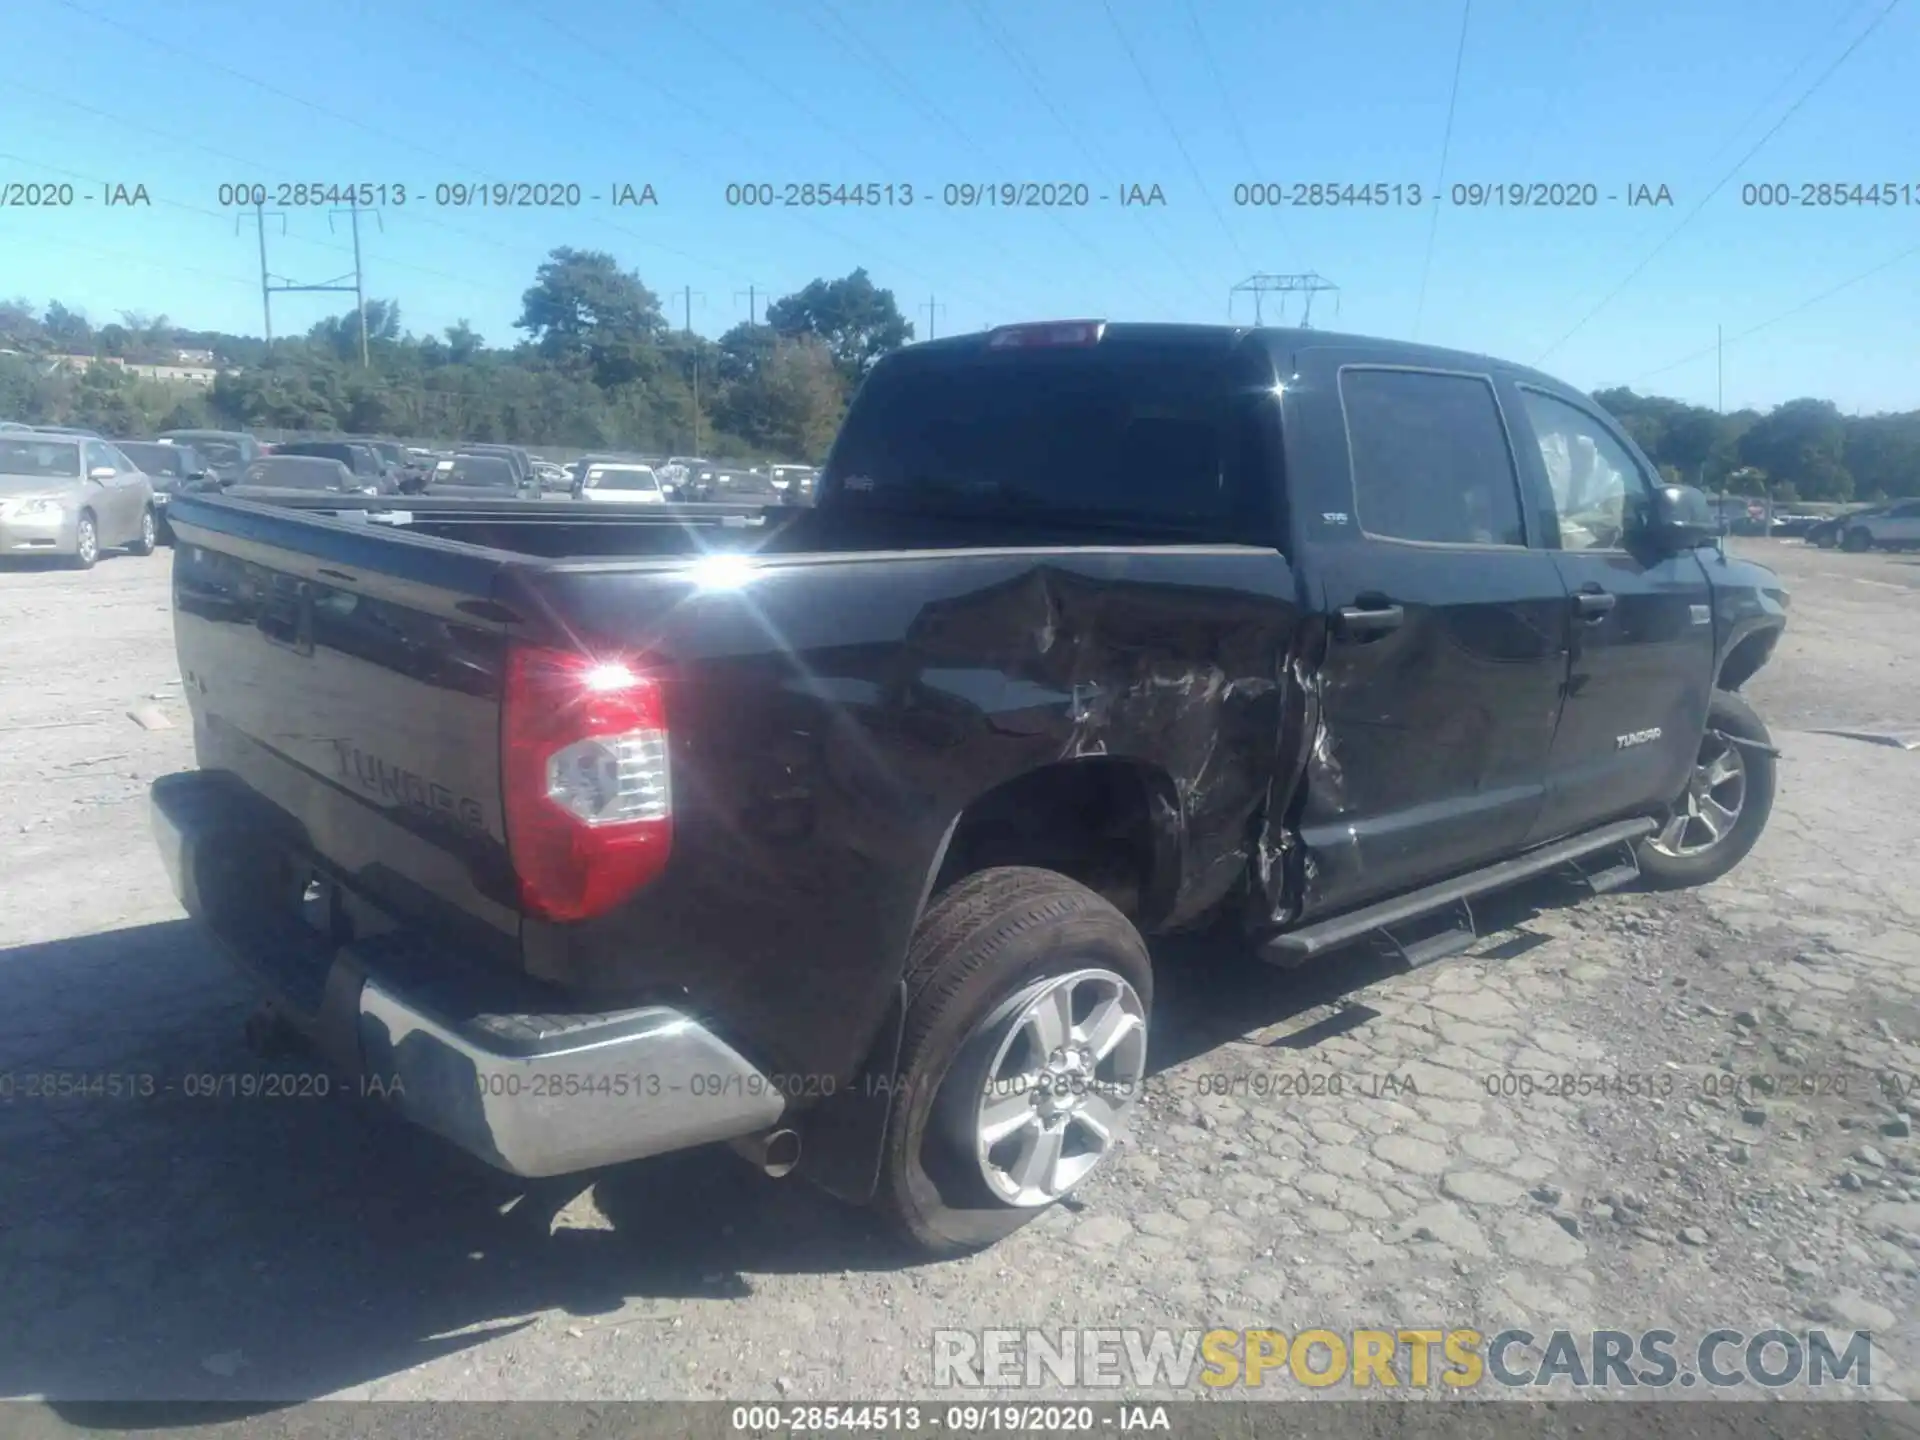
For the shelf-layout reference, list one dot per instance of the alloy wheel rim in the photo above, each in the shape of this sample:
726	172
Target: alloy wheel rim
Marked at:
1061	1085
1715	796
147	530
87	542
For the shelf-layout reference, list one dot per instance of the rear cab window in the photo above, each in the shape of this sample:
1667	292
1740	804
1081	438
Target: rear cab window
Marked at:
1132	430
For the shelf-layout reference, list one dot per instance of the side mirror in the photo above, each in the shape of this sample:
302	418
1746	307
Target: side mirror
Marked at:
1679	518
102	473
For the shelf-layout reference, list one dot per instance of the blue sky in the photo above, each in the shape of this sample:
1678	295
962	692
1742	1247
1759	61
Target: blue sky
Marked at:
1196	96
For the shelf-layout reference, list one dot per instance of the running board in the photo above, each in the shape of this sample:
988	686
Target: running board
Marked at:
1296	946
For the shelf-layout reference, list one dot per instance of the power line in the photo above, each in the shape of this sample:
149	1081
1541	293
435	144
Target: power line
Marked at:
1446	145
202	62
1799	309
932	307
1011	55
904	86
718	122
1173	132
1551	104
1738	166
1225	93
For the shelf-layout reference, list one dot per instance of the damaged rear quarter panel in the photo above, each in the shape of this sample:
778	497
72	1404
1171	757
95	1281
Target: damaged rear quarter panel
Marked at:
831	720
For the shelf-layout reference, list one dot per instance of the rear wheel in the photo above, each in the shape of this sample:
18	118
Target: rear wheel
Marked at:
1725	806
86	541
1024	1054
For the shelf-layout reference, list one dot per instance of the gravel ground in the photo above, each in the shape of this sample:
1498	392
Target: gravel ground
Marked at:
179	1247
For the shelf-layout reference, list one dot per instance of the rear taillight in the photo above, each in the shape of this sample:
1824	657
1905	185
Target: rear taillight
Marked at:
589	807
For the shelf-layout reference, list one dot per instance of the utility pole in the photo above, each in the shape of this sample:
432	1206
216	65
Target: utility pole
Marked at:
932	307
359	287
687	292
1260	286
752	293
266	295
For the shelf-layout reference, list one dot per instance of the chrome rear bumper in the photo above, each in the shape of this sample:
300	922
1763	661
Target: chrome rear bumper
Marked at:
530	1093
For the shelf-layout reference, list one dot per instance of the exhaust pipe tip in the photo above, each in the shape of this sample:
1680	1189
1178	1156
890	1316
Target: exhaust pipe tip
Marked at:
774	1153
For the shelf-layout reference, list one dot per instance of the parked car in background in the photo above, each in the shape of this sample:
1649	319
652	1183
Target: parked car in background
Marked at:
551	476
522	462
620	485
1793	524
305	473
358	456
482	475
227	452
719	485
66	430
73	496
407	477
1889	527
795	482
1826	534
681	469
170	468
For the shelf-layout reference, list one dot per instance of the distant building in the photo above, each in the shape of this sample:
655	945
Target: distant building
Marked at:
200	374
179	374
198	359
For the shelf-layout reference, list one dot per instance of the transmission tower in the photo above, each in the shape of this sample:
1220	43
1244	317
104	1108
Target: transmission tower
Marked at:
1260	286
269	287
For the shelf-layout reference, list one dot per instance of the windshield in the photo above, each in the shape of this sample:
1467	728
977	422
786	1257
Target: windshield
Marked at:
221	453
53	459
486	470
392	454
1125	432
296	473
156	459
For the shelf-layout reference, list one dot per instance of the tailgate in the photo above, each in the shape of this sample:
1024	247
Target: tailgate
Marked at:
351	678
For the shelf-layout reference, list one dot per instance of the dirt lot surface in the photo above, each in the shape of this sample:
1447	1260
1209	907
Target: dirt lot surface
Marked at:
179	1246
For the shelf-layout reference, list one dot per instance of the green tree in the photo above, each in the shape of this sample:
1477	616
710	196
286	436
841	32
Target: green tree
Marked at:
857	322
1801	443
791	405
68	330
585	313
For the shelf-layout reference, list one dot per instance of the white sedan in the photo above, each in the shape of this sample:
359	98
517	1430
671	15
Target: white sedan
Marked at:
621	485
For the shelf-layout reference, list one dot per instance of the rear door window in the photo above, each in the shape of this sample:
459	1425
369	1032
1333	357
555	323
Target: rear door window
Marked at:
1431	459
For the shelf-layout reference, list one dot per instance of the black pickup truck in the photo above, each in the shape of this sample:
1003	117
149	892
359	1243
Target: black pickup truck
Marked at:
835	832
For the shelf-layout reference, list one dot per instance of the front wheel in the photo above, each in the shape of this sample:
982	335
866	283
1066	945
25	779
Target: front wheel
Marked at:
1024	1054
149	537
1857	541
1720	815
86	542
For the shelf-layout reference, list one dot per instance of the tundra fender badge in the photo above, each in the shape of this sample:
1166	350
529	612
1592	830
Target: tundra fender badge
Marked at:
1638	737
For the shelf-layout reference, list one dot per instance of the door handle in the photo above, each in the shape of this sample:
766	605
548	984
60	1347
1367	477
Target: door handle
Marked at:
1361	622
1593	605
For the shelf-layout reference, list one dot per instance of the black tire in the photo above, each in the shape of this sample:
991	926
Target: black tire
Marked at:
148	540
1857	540
986	940
1730	715
86	550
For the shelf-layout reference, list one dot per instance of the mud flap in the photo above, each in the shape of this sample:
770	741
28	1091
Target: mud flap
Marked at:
841	1138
